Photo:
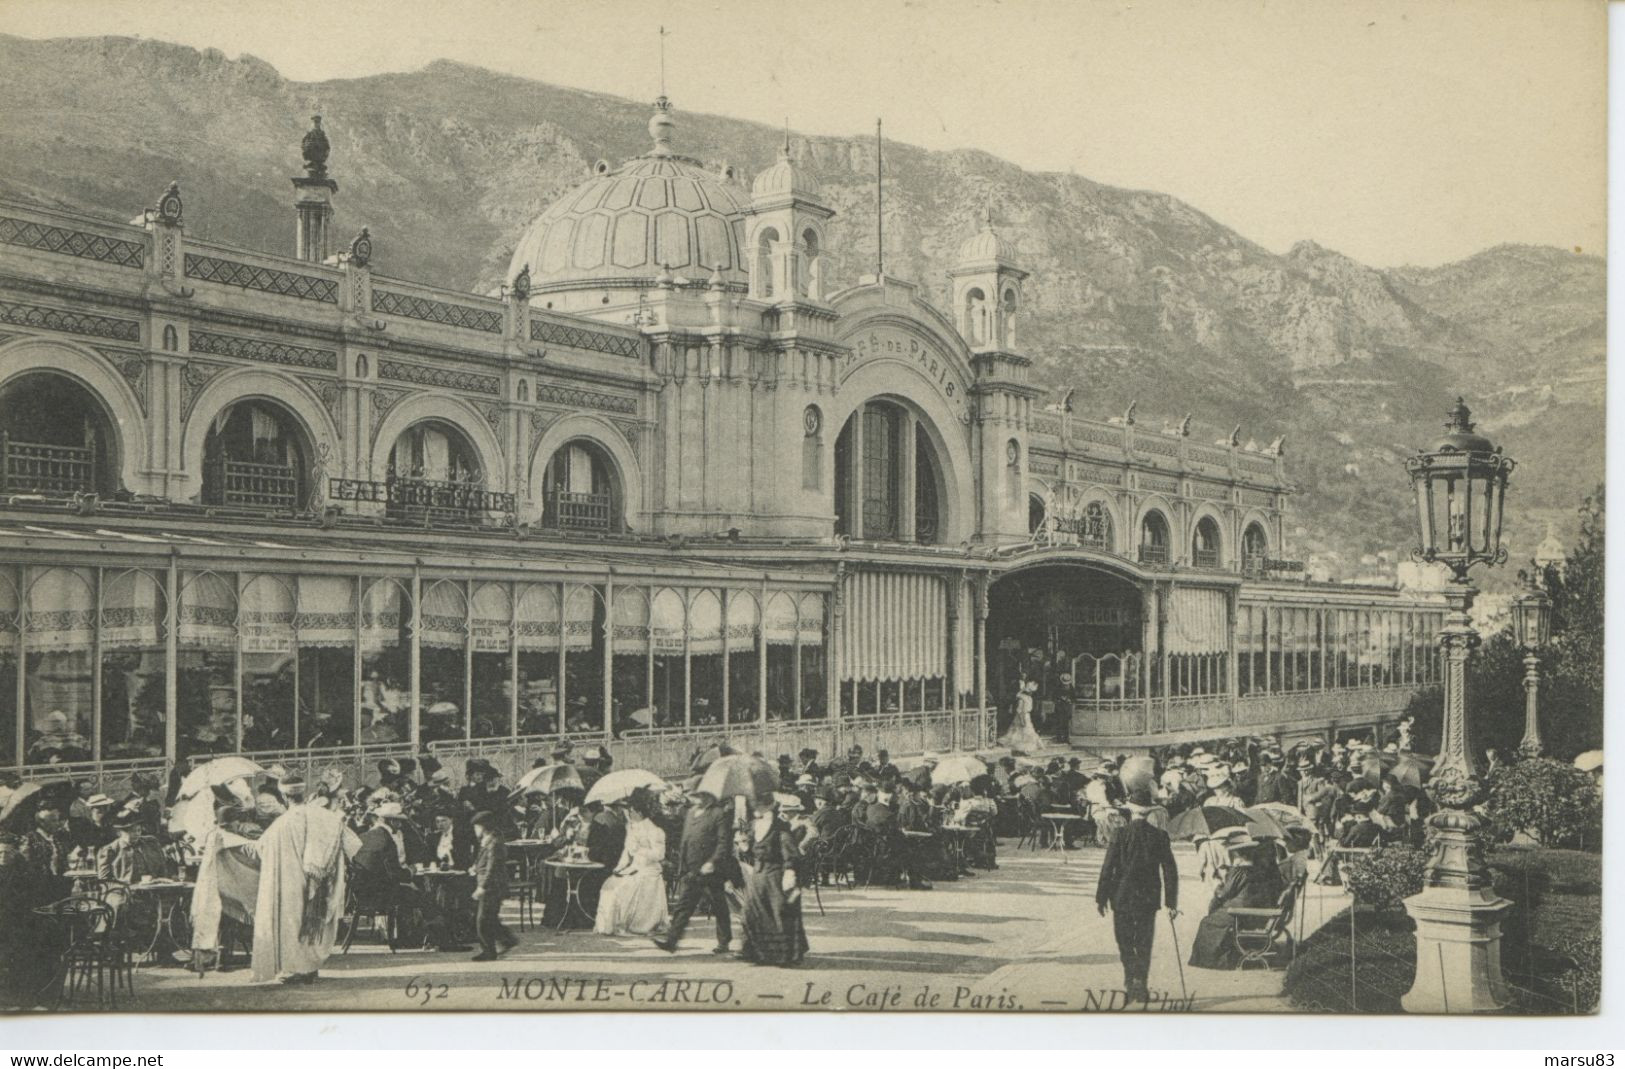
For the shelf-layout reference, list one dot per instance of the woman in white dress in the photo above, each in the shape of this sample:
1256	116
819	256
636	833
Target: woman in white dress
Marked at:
1022	735
633	901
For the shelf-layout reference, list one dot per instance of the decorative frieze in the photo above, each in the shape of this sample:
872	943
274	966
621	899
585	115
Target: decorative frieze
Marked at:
1203	455
265	352
1161	484
1257	467
1084	472
543	330
1261	498
30	235
1043	466
1099	435
94	326
1207	491
578	398
1162	447
443	378
431	311
264	279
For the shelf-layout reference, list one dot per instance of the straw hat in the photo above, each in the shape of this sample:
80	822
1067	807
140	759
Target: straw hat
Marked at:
1218	777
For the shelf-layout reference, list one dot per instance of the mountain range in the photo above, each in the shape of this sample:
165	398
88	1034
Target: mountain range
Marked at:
1134	295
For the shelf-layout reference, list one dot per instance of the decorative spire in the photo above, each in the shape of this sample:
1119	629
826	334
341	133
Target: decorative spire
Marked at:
987	217
361	249
315	148
1460	418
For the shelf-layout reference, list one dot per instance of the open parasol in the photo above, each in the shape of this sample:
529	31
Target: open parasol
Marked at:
919	775
1589	761
961	768
707	757
739	776
1412	769
217	773
549	778
619	785
1204	821
25	799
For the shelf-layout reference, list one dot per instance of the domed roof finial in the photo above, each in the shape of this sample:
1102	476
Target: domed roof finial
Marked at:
315	148
987	217
661	125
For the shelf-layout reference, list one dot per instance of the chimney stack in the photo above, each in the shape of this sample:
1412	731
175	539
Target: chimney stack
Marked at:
313	196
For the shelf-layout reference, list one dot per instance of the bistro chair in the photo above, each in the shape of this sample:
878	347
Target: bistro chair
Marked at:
89	956
1263	934
522	890
358	909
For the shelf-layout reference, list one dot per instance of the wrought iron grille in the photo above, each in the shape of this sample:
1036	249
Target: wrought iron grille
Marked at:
33	468
242	484
1153	554
1205	558
578	512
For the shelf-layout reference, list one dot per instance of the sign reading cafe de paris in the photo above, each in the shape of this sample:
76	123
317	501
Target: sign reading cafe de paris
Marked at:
702	590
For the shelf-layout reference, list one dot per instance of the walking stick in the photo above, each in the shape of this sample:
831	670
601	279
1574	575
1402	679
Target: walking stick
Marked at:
1179	958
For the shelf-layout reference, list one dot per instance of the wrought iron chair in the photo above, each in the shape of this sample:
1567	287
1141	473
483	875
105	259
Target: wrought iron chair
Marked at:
1263	934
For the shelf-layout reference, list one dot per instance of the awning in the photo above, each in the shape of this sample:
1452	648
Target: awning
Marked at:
265	614
132	611
744	618
896	627
62	609
493	618
326	614
443	617
208	612
1198	621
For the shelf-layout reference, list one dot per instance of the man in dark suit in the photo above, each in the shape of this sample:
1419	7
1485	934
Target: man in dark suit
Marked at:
379	876
490	888
703	864
1137	877
1272	784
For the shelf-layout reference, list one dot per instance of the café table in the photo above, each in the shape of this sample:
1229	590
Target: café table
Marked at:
442	885
168	899
1058	823
955	836
573	872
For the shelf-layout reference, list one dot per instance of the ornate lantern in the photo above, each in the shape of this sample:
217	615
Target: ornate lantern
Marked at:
1460	483
1532	627
1531	615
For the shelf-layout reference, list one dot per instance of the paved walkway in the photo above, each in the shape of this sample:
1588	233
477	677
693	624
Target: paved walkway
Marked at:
1026	937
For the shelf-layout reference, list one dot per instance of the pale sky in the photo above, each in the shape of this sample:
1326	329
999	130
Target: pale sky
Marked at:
1397	131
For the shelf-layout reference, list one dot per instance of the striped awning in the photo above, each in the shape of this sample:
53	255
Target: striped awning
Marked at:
896	627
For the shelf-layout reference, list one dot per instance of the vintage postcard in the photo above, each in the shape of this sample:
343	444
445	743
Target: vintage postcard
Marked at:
940	506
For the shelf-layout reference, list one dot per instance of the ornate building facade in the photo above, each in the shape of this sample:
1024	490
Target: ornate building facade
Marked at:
665	487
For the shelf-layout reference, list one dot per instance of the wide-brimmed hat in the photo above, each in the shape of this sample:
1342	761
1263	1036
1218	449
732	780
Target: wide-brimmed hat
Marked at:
440	775
1218	777
98	801
390	811
1140	801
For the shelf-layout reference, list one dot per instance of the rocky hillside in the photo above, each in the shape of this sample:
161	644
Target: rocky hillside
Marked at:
1134	294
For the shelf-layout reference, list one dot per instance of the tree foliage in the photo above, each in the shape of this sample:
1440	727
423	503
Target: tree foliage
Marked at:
1551	800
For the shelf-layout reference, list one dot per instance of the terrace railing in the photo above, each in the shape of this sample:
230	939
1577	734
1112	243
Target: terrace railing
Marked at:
35	468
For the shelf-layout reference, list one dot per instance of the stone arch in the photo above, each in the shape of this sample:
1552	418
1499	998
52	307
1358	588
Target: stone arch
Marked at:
1207	511
893	380
1255	518
96	375
1170	518
608	437
453	410
286	392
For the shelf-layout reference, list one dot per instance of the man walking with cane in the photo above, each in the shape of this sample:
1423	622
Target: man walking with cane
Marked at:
1136	879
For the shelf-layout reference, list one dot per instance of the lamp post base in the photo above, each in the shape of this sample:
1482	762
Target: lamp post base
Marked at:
1458	951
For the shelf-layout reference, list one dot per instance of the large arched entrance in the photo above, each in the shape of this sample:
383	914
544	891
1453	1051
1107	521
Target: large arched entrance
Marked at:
55	438
1075	631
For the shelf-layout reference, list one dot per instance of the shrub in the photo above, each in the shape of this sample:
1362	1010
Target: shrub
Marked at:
1384	878
1553	801
1583	979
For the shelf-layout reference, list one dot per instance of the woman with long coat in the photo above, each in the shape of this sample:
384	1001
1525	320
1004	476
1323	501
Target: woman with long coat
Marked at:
774	934
1249	883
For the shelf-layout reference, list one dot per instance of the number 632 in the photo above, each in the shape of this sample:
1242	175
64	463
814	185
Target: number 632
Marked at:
421	991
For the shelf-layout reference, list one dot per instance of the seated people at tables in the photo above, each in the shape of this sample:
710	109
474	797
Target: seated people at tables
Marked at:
58	742
94	830
633	898
1363	832
379	878
881	817
29	943
1251	882
452	842
133	855
827	817
484	793
600	835
979	810
49	847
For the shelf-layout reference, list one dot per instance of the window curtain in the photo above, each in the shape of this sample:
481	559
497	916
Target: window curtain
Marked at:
1198	621
493	618
705	623
444	617
539	617
265	614
326	615
666	617
579	606
783	620
132	610
898	627
384	607
208	611
62	610
744	617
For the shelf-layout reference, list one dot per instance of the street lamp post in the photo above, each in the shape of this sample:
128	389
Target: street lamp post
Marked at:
1532	625
1460	483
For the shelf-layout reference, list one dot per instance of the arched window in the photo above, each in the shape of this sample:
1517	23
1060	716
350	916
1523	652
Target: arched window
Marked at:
1205	543
1007	308
888	478
434	475
975	325
1255	547
255	456
762	268
579	489
1035	513
1154	539
813	275
55	438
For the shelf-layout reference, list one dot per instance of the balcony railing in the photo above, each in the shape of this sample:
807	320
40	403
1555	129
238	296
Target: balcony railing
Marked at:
426	500
578	512
33	468
242	484
1205	558
1153	554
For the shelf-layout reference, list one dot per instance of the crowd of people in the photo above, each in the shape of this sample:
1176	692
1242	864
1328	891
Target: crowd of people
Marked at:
276	863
